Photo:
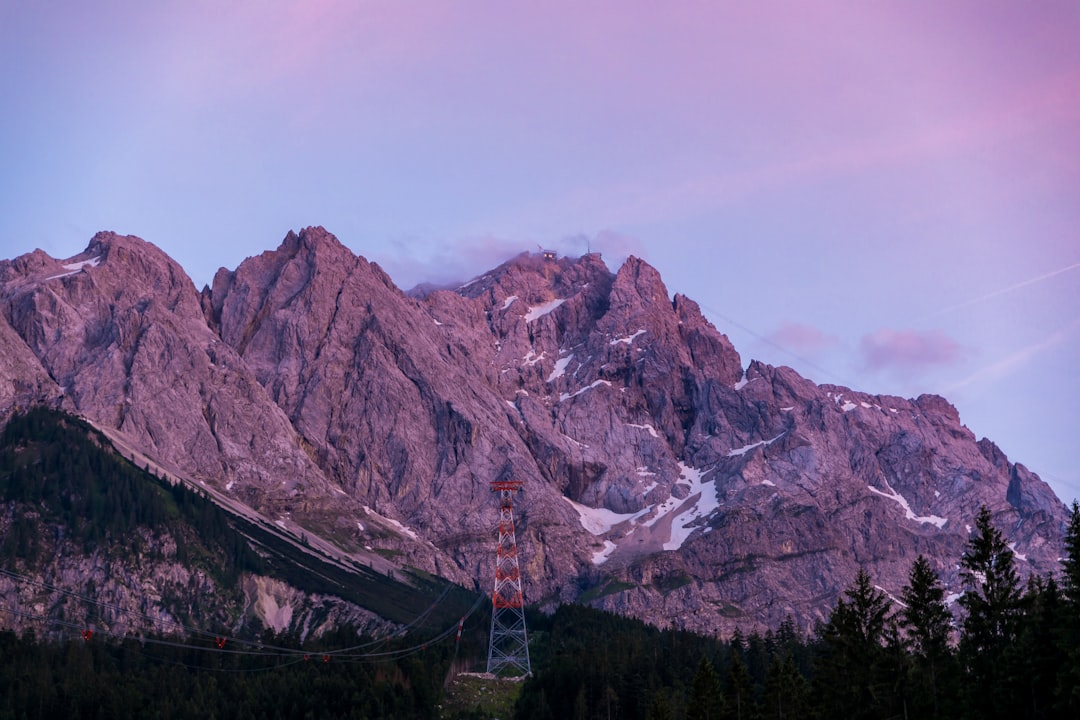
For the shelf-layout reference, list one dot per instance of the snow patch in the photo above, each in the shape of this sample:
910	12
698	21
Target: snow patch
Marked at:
682	526
601	556
644	471
848	406
560	367
509	301
437	322
598	520
532	358
700	502
390	521
76	267
892	597
628	339
648	428
908	512
747	448
595	383
743	382
1019	555
538	311
92	262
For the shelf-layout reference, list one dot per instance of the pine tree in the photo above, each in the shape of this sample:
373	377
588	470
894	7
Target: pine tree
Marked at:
1068	681
706	699
739	694
1039	647
926	622
990	626
787	694
848	672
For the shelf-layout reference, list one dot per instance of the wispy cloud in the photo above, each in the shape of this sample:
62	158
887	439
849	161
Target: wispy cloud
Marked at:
906	352
415	261
1018	359
803	339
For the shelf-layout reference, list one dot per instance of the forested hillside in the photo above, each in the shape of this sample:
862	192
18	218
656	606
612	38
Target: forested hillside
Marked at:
87	537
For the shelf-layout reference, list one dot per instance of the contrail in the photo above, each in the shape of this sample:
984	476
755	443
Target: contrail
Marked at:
1017	359
1003	291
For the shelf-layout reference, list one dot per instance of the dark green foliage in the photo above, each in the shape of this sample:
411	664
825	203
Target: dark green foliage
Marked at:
77	679
706	699
786	695
1038	650
926	624
57	476
992	622
1067	694
851	678
594	665
739	694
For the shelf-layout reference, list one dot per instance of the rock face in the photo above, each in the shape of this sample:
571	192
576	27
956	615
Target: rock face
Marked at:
661	479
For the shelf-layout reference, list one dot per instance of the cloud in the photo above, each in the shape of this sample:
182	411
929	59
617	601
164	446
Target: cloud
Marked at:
803	339
908	351
414	261
1018	359
614	247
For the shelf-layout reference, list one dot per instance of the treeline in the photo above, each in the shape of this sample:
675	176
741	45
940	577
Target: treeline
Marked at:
1015	653
96	680
59	484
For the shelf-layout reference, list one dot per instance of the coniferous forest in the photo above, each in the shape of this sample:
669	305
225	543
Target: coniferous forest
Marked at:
1012	650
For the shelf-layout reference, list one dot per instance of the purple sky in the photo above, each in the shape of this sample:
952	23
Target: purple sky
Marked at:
884	195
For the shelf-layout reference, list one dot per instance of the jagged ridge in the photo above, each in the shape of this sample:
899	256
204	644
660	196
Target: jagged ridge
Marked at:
661	477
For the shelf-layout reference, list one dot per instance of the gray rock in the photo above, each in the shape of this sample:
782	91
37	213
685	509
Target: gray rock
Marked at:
660	478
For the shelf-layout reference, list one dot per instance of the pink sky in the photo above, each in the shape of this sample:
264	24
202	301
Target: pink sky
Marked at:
880	194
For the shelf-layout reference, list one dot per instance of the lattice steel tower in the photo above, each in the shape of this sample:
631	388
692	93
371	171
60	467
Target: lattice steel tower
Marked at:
508	650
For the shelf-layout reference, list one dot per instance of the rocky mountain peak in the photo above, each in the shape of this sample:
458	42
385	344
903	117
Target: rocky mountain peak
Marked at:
658	473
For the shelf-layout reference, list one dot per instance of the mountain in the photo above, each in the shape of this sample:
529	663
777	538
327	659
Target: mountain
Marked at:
89	539
662	478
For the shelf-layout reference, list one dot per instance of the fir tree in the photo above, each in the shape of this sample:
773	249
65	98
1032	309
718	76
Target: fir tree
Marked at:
739	695
926	622
990	626
848	672
787	693
1068	681
1039	648
706	699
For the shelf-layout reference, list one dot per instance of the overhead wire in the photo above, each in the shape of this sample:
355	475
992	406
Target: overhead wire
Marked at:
221	644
